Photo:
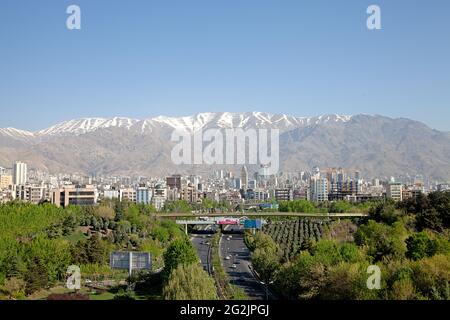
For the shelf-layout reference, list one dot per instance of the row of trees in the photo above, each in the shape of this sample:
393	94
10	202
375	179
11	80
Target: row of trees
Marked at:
295	235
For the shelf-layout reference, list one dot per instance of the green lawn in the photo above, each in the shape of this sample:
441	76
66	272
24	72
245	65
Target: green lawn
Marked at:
75	237
102	296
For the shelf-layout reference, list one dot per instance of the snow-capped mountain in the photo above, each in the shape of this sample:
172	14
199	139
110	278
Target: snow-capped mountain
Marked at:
81	126
375	145
188	123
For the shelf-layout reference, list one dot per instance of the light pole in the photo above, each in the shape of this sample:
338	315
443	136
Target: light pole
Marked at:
266	285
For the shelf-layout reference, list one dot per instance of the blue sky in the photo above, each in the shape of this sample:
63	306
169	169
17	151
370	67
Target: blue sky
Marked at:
144	58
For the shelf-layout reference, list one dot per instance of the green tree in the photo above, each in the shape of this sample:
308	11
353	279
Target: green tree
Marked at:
381	240
347	281
265	256
431	277
36	277
189	282
92	250
179	252
385	211
419	246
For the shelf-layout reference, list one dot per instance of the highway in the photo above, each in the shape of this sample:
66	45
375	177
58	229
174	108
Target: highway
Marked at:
201	241
239	255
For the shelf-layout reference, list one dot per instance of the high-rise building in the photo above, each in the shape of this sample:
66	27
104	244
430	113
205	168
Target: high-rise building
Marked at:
174	181
318	189
394	191
20	173
143	195
244	178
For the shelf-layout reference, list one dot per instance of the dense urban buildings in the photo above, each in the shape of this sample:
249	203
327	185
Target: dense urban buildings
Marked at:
235	187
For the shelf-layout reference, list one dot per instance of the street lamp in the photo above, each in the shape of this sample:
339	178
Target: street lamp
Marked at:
267	288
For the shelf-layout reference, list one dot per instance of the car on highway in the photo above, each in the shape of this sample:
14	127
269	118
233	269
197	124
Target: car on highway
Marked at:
233	266
227	258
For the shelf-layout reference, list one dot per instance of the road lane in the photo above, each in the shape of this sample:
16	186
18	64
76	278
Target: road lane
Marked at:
239	255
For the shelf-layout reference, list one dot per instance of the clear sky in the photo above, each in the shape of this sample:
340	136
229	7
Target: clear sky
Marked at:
144	58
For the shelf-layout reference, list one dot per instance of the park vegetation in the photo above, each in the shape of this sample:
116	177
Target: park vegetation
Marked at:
409	241
39	242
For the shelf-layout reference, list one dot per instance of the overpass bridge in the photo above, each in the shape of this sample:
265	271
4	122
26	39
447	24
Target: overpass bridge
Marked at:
261	214
212	221
236	218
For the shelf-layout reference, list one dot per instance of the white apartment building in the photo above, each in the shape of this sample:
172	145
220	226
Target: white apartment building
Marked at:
20	173
318	189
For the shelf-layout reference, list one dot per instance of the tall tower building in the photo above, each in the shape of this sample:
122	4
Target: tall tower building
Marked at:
20	173
244	178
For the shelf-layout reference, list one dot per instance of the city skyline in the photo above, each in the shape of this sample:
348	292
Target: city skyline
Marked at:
301	58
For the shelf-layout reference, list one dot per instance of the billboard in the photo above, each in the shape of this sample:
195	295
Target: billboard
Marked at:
129	260
253	224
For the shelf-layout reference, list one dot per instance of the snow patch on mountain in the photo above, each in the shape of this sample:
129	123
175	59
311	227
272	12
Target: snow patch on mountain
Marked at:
187	123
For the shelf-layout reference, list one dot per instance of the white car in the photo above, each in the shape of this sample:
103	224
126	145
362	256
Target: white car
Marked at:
227	258
234	266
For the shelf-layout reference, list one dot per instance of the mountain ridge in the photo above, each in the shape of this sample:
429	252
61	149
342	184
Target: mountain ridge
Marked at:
85	125
377	145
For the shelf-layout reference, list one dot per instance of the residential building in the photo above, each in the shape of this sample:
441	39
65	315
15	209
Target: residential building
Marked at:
394	191
31	194
318	189
20	173
74	195
174	181
143	195
159	196
284	194
5	181
127	194
111	194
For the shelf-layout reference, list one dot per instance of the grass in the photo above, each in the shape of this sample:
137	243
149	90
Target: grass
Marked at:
75	237
102	296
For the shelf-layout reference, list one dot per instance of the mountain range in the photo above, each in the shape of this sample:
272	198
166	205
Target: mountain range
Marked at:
376	145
